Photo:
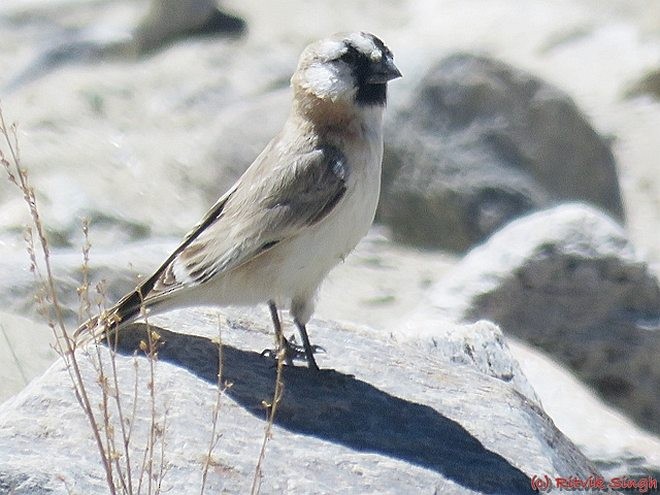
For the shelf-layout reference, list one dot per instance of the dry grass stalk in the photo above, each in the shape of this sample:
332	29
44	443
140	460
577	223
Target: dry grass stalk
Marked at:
156	431
116	460
272	408
215	435
47	294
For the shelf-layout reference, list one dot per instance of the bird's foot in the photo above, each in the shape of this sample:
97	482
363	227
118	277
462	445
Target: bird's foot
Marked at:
315	348
292	351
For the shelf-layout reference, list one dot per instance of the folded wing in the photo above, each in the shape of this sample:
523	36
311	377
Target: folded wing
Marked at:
272	201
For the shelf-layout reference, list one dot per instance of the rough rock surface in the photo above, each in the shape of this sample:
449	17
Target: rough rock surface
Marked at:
568	281
480	345
374	423
608	437
481	143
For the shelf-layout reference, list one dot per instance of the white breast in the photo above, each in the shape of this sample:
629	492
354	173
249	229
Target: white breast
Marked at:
332	239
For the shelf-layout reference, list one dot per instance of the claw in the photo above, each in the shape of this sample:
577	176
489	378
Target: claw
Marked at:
272	354
301	349
293	351
269	353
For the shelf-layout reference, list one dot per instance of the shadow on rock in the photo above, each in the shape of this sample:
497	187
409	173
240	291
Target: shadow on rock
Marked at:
340	408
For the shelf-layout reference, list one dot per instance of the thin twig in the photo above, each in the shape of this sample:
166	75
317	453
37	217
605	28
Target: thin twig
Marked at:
215	436
164	467
125	475
277	397
151	349
12	351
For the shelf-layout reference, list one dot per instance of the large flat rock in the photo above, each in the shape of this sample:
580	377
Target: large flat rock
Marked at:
388	418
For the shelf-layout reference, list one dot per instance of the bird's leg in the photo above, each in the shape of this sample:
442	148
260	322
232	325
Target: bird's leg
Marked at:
280	339
309	350
290	349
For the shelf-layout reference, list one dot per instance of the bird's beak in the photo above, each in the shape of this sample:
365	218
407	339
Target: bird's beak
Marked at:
383	71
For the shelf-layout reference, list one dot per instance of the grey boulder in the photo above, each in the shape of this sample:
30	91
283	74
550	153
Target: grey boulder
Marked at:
566	280
480	143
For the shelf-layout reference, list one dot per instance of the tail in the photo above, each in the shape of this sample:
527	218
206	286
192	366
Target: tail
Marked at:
96	329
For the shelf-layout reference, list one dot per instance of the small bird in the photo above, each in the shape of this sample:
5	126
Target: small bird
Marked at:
296	212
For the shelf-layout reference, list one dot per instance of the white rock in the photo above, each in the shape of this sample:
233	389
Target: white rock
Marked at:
390	419
566	280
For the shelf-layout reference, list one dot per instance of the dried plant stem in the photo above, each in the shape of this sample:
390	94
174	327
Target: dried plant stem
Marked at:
152	403
123	469
150	347
85	310
125	434
215	436
277	397
125	477
12	351
162	470
135	395
63	341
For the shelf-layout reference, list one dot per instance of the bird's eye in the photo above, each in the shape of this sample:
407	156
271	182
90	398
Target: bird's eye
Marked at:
350	57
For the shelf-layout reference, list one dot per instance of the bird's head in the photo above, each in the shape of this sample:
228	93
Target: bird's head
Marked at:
351	68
